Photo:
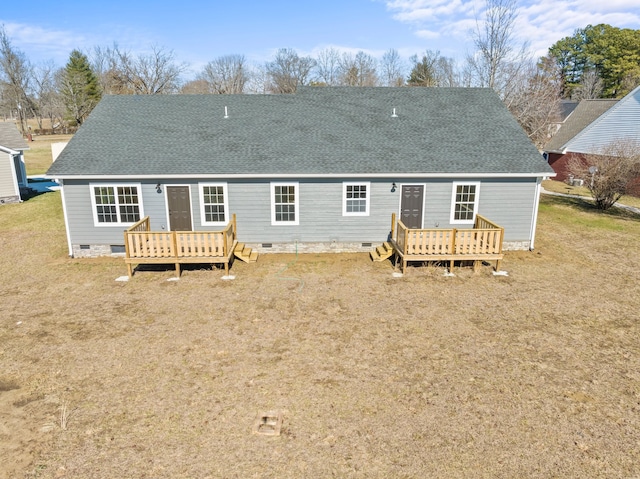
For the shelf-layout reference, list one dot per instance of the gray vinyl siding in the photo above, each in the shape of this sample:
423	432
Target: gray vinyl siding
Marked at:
7	185
80	214
508	202
511	204
319	209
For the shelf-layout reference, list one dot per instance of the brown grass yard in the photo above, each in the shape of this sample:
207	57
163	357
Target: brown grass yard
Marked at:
532	375
562	187
38	157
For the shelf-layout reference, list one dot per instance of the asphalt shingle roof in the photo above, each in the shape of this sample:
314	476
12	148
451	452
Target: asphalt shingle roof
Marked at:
317	131
10	137
585	113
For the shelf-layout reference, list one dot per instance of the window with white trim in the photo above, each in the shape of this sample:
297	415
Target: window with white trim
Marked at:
213	204
284	203
355	199
464	203
116	205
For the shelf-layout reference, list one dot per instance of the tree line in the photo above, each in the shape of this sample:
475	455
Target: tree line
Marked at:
531	88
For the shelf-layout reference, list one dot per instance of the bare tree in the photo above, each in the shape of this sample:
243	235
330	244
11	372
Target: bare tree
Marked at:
530	92
46	96
590	86
609	173
259	81
107	67
358	70
152	74
392	69
447	72
288	71
15	77
195	87
327	67
497	58
534	100
225	75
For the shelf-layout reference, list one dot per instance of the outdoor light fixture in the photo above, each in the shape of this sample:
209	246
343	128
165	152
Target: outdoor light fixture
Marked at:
158	189
393	187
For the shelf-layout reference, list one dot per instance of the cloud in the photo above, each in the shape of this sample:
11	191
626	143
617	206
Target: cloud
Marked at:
540	23
53	44
42	44
422	10
428	34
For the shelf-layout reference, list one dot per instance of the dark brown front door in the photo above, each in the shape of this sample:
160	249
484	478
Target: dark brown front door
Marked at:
411	206
179	208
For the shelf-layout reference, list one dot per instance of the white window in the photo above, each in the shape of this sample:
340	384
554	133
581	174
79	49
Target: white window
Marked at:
284	203
213	204
116	205
464	202
355	199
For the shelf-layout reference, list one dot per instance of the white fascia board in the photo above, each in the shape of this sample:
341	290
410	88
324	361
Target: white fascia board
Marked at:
302	175
9	150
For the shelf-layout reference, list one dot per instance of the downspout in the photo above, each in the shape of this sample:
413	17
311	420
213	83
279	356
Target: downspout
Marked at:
66	218
534	219
14	175
22	180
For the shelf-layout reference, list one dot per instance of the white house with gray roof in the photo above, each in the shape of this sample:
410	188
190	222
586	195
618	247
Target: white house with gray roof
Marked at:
319	170
13	174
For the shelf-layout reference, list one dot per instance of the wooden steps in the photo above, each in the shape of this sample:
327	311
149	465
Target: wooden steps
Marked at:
382	252
244	253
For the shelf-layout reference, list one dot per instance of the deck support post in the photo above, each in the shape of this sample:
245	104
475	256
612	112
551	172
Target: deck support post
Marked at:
393	226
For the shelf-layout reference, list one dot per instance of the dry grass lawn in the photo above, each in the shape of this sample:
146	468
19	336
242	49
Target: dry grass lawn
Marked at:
562	187
38	157
532	375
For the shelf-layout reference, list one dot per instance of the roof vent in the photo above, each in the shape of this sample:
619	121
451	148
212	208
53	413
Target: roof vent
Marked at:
393	115
226	113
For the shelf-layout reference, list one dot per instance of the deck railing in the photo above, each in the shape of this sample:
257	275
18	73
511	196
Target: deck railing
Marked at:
483	241
145	246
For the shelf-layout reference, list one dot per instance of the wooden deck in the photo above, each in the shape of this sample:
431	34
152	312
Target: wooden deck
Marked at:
483	242
143	246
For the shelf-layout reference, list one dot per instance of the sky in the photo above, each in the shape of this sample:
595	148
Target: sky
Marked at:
200	31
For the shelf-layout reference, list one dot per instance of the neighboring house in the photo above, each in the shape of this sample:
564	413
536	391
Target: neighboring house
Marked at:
13	174
319	170
593	125
565	110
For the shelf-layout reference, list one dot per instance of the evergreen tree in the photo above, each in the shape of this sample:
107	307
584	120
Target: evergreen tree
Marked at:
423	72
79	87
613	54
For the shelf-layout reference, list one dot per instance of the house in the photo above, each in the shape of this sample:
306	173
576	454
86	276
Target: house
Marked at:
565	109
13	174
322	170
557	150
592	126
